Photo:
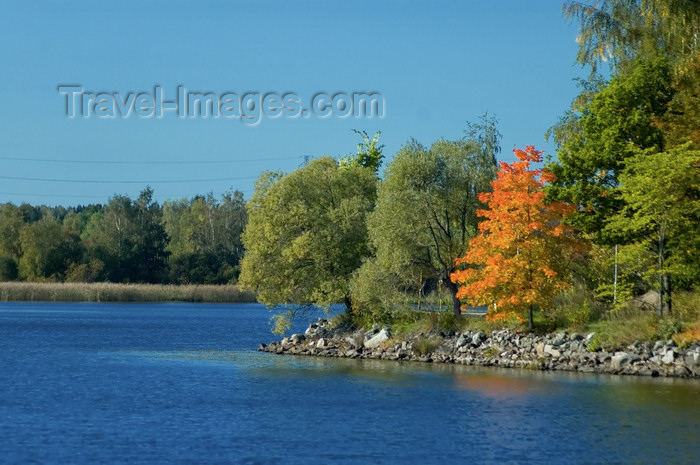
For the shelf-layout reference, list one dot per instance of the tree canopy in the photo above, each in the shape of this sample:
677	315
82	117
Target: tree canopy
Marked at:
619	118
426	207
619	31
522	253
307	233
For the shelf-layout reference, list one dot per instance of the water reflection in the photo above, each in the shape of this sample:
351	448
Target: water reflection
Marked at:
499	387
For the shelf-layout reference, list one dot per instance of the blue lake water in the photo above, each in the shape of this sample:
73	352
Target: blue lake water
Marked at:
182	383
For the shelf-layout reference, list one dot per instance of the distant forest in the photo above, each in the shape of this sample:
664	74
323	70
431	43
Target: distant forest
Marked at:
195	241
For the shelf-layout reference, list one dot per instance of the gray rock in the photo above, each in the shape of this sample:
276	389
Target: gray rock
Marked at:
669	358
621	359
539	349
377	339
478	337
321	343
297	338
559	339
692	359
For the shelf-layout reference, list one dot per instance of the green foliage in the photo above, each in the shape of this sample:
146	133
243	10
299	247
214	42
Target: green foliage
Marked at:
425	346
618	31
306	233
609	128
369	154
129	238
84	272
377	295
426	211
681	124
668	327
8	269
46	250
11	222
204	238
661	192
282	322
594	344
574	308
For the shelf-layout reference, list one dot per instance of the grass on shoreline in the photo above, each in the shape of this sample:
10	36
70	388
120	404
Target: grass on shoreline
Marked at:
112	292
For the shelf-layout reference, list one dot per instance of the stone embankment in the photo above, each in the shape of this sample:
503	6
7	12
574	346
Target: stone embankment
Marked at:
504	348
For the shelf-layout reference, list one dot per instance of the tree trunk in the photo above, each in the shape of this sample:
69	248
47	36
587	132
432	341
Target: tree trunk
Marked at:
530	321
456	303
666	286
664	278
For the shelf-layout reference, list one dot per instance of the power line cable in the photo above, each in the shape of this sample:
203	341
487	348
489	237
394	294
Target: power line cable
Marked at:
86	181
145	162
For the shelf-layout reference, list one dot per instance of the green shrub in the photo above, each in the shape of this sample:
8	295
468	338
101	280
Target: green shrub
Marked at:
425	346
574	308
668	327
594	344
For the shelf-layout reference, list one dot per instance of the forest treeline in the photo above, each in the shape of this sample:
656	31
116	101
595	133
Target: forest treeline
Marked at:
186	241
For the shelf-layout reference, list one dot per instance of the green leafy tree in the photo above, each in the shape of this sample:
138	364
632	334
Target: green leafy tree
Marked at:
426	208
661	191
306	233
129	238
11	223
619	31
204	234
369	154
681	123
47	250
621	117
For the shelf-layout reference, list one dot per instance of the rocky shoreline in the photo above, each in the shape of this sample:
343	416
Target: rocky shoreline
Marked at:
504	348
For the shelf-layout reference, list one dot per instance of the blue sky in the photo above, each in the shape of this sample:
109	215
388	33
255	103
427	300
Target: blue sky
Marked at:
437	64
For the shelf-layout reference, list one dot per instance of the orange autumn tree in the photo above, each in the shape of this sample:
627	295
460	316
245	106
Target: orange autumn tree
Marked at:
520	257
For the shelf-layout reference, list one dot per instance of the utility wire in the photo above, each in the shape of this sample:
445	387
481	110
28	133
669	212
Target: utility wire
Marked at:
85	181
144	162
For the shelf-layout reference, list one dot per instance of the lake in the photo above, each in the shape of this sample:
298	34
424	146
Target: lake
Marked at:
183	383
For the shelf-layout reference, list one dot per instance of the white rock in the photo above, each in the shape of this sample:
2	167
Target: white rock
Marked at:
669	357
377	339
622	358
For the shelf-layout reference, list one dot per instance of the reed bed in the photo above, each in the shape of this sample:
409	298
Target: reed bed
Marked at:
112	292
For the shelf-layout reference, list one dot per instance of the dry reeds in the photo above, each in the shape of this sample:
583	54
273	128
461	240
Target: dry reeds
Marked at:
111	292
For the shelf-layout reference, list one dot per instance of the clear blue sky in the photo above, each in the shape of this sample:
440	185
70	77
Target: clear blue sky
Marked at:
438	64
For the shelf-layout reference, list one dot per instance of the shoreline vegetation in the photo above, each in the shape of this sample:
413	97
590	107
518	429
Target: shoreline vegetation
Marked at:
114	292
